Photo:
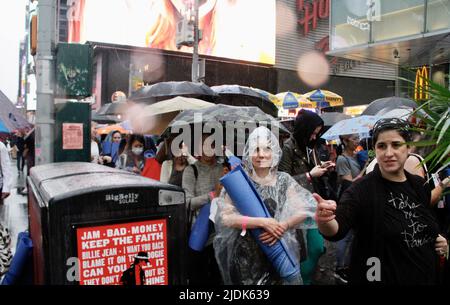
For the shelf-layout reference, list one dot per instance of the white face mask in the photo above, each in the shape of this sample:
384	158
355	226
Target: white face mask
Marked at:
137	150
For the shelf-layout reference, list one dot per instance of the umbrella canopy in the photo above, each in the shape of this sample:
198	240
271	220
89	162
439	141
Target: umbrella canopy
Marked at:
236	95
331	118
401	113
358	125
109	128
272	97
165	90
104	119
114	108
324	98
3	128
388	103
232	120
10	116
292	100
155	118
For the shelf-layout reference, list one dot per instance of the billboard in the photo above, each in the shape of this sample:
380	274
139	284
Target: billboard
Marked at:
236	29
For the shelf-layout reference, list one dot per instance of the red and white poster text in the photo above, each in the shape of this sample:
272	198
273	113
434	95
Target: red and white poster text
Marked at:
105	252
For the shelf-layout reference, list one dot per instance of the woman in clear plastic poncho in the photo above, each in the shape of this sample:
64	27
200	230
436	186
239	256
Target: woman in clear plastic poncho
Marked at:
292	207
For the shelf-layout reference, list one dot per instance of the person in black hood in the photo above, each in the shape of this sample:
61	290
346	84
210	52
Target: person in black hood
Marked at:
301	161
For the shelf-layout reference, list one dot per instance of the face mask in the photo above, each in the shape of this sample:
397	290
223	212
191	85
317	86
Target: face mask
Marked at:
137	150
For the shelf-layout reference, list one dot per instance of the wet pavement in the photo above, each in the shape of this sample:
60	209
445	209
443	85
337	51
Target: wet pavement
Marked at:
14	212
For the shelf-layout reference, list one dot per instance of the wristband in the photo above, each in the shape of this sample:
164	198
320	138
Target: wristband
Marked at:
308	176
244	226
212	195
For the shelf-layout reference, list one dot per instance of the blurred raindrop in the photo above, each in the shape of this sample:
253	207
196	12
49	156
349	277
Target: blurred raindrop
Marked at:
313	69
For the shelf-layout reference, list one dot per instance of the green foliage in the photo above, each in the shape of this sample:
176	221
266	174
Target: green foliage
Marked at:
435	113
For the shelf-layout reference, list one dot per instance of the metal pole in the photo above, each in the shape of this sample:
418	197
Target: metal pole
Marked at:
195	61
45	79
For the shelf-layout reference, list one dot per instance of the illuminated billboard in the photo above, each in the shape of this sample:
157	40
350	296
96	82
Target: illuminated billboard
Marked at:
236	29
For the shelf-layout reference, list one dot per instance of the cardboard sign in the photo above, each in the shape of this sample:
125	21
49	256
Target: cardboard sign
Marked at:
105	252
72	134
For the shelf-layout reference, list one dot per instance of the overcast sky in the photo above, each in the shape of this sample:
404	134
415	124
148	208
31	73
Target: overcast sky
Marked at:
12	30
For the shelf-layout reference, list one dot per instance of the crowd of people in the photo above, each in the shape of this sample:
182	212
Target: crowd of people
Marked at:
370	208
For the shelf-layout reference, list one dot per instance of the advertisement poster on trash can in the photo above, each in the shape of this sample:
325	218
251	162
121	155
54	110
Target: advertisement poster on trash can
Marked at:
105	252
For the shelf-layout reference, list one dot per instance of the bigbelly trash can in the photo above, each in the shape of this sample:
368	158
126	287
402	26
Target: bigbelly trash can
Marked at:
88	223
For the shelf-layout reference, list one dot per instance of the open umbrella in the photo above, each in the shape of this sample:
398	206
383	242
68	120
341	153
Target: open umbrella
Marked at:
104	119
114	108
232	120
292	100
10	116
401	113
236	95
155	118
164	90
358	125
324	98
272	97
388	103
3	128
331	118
109	128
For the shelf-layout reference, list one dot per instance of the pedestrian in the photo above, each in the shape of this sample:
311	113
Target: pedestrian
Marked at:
300	160
199	182
172	170
241	260
5	173
348	170
132	159
110	148
20	146
95	149
396	237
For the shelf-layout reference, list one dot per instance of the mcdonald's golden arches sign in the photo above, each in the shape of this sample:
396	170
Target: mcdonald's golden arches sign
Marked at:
421	84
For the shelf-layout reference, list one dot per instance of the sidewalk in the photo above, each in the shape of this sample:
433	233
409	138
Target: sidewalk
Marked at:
14	213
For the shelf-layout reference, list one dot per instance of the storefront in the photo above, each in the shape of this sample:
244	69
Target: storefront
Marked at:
410	34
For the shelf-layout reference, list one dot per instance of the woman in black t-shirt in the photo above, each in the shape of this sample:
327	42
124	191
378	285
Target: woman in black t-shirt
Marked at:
397	238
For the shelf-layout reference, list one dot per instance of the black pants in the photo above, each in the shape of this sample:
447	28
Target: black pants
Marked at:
203	268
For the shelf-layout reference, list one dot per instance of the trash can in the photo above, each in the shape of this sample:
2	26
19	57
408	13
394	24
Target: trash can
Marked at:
88	223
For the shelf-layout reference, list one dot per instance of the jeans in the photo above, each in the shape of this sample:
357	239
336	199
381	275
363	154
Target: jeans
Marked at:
343	251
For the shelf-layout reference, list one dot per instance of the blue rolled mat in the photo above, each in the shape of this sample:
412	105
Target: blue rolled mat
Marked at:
20	259
249	203
200	229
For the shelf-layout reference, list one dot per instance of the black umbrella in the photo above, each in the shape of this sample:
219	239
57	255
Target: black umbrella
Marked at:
331	118
165	90
236	95
388	103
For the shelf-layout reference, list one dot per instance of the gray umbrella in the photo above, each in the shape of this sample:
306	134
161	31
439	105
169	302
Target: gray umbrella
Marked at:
237	121
331	118
114	108
388	103
237	95
165	90
104	119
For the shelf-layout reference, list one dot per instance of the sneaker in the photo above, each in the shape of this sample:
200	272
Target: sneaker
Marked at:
341	275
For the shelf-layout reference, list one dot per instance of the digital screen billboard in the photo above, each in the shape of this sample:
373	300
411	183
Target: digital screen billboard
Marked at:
236	29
